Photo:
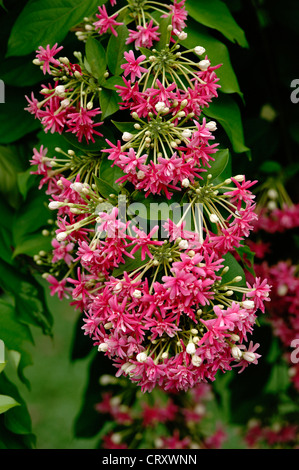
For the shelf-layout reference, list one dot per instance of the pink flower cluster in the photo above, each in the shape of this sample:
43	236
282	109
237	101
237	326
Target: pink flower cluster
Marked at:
166	410
283	309
159	308
145	33
62	109
278	219
279	436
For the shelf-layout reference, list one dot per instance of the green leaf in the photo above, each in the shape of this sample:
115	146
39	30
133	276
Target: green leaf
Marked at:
110	174
20	72
17	419
227	113
116	48
125	126
216	15
43	22
29	297
15	122
130	264
109	100
111	82
32	216
10	165
235	269
32	244
219	165
96	58
26	181
15	334
247	258
164	32
218	54
6	403
103	187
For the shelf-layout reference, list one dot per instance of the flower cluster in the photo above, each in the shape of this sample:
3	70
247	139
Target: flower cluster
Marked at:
275	436
140	15
277	212
168	422
278	216
166	308
68	105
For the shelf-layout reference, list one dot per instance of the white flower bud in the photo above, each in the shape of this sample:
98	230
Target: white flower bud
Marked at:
137	294
140	175
249	356
249	304
272	193
141	357
199	50
214	218
60	90
187	133
196	360
127	136
211	126
103	347
236	352
204	65
160	106
282	290
234	337
239	178
54	205
61	236
190	349
78	187
117	288
183	244
272	205
185	183
182	35
164	355
65	103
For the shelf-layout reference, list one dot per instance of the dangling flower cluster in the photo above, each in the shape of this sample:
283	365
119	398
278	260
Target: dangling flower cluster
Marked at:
183	419
167	146
278	216
276	211
276	435
68	105
140	15
162	306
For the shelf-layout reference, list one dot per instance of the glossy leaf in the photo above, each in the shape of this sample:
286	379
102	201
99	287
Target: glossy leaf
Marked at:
96	58
216	15
226	111
218	165
115	50
217	52
43	22
6	403
109	100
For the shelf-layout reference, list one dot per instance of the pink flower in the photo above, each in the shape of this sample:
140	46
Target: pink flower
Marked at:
62	251
144	36
144	241
46	56
133	66
53	117
105	21
58	287
33	106
260	293
82	124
